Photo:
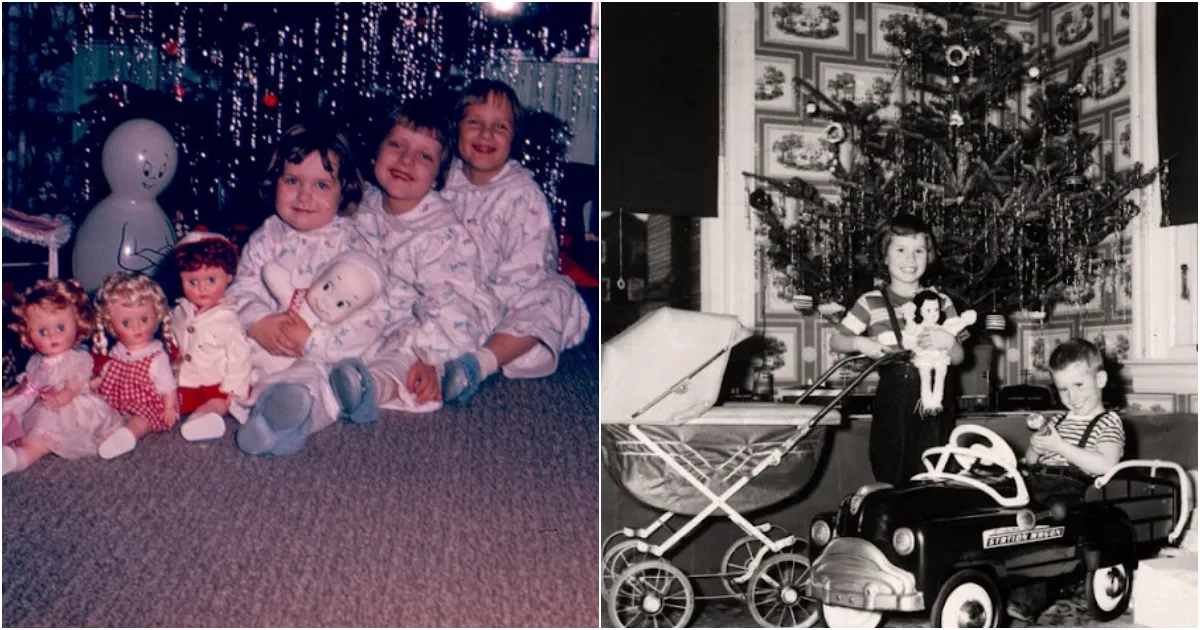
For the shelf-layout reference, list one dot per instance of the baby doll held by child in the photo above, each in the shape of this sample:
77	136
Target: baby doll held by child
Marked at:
137	379
922	314
1087	441
342	308
57	411
905	251
439	306
507	214
214	361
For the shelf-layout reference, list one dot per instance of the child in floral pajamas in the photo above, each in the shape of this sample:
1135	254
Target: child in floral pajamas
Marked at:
438	306
506	213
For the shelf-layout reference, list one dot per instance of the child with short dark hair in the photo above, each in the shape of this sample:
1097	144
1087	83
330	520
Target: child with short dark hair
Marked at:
1087	439
899	432
507	214
438	306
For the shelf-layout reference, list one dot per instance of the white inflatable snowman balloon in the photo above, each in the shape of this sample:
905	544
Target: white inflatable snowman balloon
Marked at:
127	230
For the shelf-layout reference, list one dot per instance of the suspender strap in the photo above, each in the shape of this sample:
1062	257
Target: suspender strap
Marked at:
892	316
1087	433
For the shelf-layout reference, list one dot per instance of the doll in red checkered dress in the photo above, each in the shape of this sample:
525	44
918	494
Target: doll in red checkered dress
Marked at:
137	379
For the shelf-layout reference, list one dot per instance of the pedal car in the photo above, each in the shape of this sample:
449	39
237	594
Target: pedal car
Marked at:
955	539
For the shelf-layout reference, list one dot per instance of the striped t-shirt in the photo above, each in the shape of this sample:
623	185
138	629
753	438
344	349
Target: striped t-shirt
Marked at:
1108	429
869	314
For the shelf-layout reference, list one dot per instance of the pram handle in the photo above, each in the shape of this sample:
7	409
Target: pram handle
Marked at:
679	383
887	359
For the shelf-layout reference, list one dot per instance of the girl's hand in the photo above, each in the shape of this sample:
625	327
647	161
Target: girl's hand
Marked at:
936	339
1049	443
270	334
297	333
423	381
871	348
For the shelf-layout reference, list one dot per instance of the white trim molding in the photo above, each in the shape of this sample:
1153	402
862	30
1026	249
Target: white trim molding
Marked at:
1158	362
727	242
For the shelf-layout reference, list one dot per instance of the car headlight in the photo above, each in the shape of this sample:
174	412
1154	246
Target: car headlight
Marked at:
903	541
820	533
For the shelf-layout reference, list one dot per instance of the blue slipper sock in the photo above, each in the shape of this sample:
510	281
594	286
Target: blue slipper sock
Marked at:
355	391
279	423
461	379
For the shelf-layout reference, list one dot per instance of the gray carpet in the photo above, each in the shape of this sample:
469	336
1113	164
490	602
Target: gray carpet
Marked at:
477	516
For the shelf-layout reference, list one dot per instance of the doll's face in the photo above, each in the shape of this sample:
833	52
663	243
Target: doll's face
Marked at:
133	324
205	287
52	331
930	311
341	290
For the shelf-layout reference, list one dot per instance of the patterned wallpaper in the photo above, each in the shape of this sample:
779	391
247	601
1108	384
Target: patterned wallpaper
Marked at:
839	47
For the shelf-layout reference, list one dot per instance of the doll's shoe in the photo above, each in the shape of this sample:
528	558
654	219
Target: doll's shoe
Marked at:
355	391
203	426
279	423
120	442
461	379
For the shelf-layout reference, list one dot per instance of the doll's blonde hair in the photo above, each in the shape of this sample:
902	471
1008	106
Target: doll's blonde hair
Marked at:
130	289
53	295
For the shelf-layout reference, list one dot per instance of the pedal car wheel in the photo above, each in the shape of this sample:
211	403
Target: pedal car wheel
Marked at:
618	558
841	617
969	599
651	594
1109	590
738	558
778	593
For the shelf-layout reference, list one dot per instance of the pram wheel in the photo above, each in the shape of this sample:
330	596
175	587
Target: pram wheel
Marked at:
778	593
651	594
738	558
619	557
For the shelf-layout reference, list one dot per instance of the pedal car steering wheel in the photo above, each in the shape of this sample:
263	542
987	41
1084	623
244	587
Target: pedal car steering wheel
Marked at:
994	450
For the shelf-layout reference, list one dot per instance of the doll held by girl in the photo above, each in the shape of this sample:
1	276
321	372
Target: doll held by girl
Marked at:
137	379
925	313
52	403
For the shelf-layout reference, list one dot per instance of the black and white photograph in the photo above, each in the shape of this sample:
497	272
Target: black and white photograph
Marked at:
918	353
301	308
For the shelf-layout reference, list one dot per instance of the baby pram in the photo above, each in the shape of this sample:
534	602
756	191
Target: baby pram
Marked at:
667	444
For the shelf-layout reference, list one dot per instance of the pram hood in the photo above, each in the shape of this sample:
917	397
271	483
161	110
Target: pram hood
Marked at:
656	356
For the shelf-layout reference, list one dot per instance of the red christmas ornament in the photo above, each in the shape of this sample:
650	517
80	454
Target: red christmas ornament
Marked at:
171	47
270	100
179	91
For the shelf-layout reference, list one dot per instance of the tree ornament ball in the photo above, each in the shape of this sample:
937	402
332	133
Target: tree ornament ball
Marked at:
835	133
956	56
811	108
171	48
270	100
761	200
128	230
178	91
1093	172
1034	72
955	79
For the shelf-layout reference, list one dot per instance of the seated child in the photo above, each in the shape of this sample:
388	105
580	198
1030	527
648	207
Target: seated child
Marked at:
506	213
214	363
438	306
1086	439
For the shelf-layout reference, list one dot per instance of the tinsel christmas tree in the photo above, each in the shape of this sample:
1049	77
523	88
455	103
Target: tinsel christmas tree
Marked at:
1018	204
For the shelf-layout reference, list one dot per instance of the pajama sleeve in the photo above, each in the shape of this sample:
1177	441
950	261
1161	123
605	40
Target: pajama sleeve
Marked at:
527	242
446	321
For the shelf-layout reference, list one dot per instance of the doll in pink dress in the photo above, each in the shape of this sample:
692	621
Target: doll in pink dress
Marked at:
53	405
137	379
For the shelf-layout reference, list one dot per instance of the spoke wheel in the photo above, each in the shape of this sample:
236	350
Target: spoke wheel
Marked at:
778	593
842	617
618	558
738	558
968	599
1109	590
651	594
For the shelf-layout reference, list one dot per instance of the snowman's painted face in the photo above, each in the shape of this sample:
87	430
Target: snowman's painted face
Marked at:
155	170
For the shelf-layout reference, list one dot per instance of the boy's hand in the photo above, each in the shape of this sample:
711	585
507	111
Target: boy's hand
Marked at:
270	333
1049	443
871	348
423	381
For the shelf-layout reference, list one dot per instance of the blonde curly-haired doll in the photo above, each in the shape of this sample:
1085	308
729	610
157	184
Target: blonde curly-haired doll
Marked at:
137	379
52	406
